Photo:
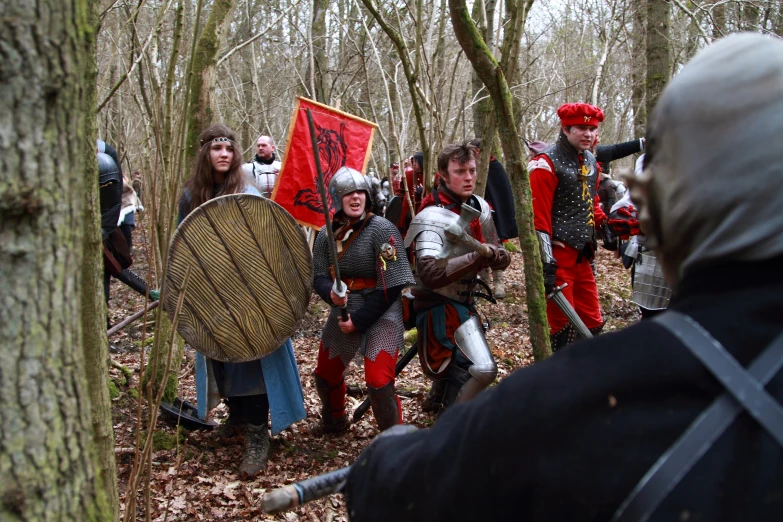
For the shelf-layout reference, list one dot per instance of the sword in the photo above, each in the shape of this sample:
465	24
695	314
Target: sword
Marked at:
562	303
339	287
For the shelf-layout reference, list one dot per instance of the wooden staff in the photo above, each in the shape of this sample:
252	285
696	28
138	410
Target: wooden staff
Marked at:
128	320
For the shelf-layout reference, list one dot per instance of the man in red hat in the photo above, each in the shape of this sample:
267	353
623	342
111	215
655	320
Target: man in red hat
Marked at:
564	179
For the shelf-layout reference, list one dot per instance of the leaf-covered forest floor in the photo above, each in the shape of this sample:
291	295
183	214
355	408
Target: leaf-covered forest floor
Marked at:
198	479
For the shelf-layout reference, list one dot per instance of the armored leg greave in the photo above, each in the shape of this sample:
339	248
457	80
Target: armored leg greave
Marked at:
470	340
385	406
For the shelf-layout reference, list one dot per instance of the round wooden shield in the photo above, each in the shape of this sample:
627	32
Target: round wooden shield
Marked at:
251	277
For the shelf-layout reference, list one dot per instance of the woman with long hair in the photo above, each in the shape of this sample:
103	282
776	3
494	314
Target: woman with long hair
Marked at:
250	397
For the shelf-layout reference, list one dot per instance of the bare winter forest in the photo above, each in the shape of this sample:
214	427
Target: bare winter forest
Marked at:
81	438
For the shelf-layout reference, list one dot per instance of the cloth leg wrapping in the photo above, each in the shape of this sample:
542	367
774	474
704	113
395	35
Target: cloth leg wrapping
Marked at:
332	372
379	375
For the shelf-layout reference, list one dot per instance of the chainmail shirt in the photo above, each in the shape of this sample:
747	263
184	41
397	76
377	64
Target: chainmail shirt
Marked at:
363	259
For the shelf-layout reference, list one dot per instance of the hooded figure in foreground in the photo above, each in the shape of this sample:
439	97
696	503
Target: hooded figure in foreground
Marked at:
597	431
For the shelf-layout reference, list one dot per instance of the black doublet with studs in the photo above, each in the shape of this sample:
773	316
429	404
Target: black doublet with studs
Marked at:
573	221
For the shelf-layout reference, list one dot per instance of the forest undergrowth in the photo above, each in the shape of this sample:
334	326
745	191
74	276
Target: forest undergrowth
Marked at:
195	477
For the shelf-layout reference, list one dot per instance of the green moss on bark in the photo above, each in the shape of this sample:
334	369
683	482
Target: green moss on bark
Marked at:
204	63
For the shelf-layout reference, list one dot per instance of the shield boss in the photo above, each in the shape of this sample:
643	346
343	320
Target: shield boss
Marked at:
251	276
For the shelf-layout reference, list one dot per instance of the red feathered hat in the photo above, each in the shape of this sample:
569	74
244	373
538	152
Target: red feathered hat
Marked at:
580	114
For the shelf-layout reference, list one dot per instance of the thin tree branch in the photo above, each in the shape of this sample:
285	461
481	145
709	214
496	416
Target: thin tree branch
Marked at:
696	23
256	37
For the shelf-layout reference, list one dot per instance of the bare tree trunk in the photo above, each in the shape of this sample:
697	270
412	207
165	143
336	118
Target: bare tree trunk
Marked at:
658	58
48	465
777	26
639	68
247	74
93	309
320	60
204	79
493	76
599	70
750	16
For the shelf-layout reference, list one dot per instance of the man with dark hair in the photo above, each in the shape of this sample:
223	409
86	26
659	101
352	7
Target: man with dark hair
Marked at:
563	182
452	348
500	197
641	424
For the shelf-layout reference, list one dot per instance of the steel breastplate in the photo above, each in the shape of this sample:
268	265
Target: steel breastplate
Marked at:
265	176
572	207
428	230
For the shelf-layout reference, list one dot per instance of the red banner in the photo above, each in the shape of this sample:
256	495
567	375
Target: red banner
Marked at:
343	140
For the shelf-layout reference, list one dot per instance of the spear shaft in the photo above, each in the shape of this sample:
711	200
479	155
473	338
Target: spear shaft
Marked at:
339	288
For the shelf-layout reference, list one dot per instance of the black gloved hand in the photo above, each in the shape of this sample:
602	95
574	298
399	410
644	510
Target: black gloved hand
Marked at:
550	269
608	237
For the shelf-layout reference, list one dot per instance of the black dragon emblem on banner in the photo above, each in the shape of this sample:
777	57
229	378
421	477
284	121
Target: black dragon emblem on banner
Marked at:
332	149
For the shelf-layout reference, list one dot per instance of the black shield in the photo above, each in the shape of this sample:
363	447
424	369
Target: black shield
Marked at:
394	209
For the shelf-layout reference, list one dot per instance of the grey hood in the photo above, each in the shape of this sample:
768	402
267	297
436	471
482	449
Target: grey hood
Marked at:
712	182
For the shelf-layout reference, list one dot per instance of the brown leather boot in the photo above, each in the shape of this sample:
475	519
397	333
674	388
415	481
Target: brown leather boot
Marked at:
385	406
454	381
433	402
330	422
256	451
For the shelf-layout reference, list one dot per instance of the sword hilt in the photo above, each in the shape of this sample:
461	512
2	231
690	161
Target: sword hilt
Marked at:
293	495
340	289
557	290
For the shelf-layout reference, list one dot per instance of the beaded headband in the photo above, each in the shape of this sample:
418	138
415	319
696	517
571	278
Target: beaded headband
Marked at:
221	139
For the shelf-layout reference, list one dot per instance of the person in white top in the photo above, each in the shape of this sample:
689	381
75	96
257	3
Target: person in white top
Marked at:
265	166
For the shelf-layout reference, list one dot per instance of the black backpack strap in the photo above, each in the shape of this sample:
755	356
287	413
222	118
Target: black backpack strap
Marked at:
745	392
